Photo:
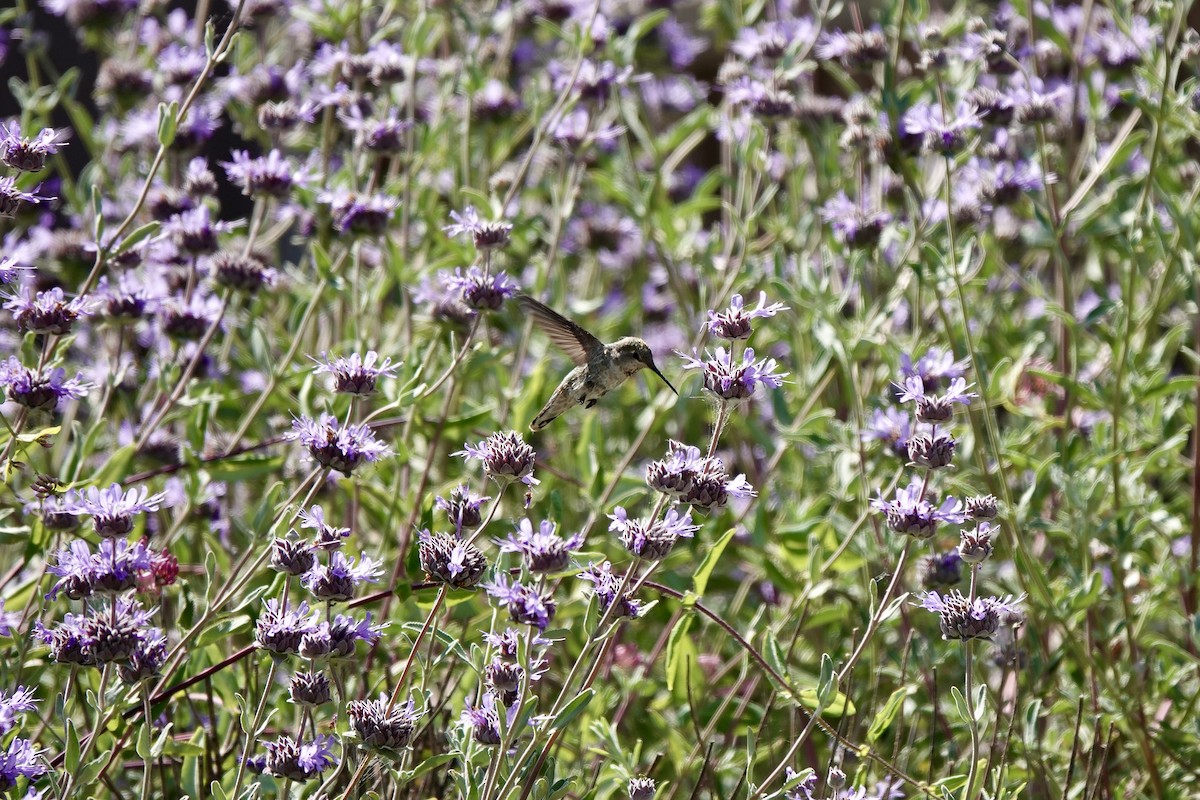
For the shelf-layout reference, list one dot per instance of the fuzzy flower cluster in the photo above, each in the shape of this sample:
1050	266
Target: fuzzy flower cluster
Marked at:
698	480
320	637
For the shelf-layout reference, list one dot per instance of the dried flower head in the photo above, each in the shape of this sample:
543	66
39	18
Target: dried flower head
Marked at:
381	725
654	540
449	560
505	457
963	619
975	544
298	760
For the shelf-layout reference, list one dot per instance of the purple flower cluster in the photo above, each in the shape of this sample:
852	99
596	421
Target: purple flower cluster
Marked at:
732	381
542	550
339	447
698	480
505	458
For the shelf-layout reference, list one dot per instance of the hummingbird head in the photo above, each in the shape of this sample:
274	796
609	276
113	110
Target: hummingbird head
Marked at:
637	354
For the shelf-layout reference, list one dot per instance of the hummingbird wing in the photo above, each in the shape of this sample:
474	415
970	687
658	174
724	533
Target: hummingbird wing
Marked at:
577	343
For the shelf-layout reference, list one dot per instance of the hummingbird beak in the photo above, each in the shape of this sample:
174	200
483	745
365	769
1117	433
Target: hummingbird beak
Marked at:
654	369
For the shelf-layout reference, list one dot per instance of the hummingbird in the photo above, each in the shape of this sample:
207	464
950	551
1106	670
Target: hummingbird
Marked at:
599	367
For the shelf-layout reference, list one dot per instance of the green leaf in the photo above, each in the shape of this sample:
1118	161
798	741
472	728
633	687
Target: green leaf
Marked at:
700	579
884	716
827	683
838	705
134	239
33	436
115	468
676	649
244	469
431	763
572	709
71	753
168	121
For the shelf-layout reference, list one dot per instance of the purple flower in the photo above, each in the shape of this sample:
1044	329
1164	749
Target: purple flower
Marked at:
732	381
10	270
339	447
299	760
198	179
543	550
46	312
146	659
12	704
963	619
605	586
484	720
1005	182
11	197
449	560
25	154
281	629
933	367
937	408
113	631
933	451
478	289
975	544
46	391
112	510
525	604
772	39
355	374
21	760
328	536
485	234
196	232
803	789
335	582
734	323
337	639
128	298
382	725
463	507
937	132
112	569
654	540
892	426
911	512
681	47
271	175
292	556
673	475
574	131
67	640
353	213
8	620
852	224
697	480
383	135
190	319
593	81
941	570
242	273
505	457
284	115
853	48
